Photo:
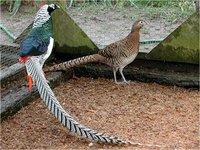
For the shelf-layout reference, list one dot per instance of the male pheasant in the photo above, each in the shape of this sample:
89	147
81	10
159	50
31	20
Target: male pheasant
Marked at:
39	41
35	49
117	55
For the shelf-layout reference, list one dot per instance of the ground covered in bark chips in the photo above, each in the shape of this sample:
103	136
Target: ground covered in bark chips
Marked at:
140	112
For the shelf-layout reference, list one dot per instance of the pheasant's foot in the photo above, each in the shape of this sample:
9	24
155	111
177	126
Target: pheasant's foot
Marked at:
116	82
123	82
127	82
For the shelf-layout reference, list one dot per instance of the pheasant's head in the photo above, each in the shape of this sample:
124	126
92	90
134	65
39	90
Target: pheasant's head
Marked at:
138	24
49	8
52	7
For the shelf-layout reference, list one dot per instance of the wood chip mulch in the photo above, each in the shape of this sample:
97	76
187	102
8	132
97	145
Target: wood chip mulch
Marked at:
142	112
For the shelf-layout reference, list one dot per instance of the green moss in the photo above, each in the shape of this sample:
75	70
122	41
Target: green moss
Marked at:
182	45
69	38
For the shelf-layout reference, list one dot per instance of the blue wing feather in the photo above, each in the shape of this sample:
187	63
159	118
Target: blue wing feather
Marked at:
32	46
37	41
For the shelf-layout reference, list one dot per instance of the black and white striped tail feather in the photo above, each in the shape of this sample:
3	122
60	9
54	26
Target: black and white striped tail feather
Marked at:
47	95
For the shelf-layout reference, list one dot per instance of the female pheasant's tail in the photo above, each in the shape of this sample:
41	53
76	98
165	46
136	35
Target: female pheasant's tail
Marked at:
34	68
74	62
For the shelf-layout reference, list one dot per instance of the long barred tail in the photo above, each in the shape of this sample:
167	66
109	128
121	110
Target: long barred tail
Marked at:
47	95
72	63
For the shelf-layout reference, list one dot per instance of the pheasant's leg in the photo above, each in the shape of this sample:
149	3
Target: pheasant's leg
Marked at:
121	72
114	73
30	83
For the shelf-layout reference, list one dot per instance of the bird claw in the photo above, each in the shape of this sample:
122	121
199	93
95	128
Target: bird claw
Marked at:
127	82
123	82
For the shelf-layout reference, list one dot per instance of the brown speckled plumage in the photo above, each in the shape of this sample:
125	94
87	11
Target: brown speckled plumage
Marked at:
117	55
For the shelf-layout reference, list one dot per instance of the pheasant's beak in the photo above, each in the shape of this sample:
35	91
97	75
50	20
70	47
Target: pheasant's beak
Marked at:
146	22
57	7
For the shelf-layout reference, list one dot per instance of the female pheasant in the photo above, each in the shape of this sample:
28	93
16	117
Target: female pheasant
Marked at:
39	41
117	55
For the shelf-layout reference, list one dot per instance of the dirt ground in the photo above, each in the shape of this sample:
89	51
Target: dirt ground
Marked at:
143	112
104	25
146	113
